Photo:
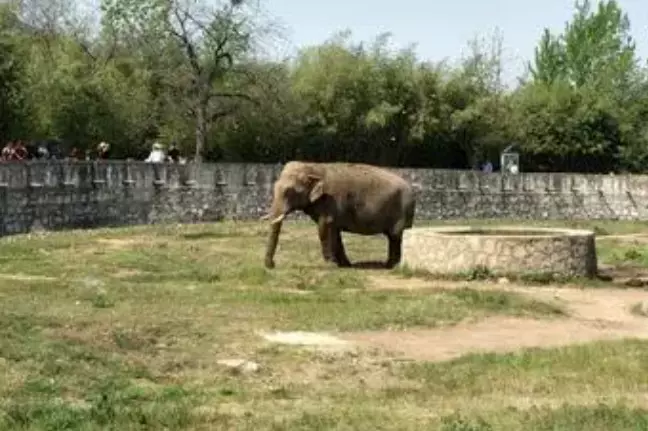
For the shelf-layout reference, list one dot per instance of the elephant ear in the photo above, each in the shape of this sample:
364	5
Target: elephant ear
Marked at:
317	190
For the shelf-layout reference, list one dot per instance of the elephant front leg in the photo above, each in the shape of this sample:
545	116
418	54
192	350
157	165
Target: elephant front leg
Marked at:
325	231
395	249
340	254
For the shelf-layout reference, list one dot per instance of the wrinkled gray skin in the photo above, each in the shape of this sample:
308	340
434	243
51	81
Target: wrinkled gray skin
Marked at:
342	197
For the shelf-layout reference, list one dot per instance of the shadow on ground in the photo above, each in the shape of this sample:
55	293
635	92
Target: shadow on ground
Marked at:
370	264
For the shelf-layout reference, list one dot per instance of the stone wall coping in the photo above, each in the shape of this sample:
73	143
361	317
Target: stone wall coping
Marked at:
531	232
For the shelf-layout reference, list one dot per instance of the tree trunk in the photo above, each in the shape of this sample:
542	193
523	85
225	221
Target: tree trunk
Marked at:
201	132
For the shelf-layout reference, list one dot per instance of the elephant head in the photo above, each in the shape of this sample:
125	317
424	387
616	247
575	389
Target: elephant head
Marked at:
298	186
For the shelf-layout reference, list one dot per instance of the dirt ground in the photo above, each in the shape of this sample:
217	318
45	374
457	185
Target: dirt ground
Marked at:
593	314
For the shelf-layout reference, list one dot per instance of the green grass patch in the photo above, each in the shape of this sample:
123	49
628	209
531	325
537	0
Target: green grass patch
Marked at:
482	273
565	418
620	366
336	310
622	253
639	309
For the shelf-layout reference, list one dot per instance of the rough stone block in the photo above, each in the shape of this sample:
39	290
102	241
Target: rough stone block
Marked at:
504	250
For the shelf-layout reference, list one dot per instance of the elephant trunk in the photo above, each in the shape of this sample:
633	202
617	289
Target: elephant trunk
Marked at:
276	215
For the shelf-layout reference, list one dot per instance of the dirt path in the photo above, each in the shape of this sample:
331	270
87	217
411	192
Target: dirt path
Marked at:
594	314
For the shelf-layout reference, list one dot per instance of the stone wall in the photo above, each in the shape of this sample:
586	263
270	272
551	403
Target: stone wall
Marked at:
57	195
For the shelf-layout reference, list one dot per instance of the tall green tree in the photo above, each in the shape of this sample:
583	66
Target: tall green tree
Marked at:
13	109
579	111
595	48
195	46
475	105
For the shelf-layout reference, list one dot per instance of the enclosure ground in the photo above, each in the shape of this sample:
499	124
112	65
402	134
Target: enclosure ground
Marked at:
163	327
591	314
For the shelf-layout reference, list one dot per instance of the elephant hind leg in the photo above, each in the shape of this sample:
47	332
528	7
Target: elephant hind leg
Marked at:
338	249
395	250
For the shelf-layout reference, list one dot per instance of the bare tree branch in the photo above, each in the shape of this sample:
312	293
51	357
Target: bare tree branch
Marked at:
86	50
97	60
221	114
242	96
183	37
222	38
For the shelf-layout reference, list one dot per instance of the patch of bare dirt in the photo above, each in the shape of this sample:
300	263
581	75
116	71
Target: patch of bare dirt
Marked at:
26	277
123	243
625	275
313	339
126	273
594	314
387	282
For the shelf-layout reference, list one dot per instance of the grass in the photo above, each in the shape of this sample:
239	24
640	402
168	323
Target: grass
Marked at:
639	309
624	253
122	329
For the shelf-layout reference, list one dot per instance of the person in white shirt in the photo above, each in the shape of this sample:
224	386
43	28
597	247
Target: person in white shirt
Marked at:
157	154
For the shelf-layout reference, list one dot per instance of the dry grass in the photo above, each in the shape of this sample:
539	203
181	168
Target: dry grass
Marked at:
122	329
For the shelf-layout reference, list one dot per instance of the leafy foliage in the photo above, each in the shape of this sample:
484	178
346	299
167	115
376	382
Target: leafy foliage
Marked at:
188	71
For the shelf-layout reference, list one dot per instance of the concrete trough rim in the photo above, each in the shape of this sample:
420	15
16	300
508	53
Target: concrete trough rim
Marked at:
463	231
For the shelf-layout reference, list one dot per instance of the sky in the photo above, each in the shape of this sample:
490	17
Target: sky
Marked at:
439	29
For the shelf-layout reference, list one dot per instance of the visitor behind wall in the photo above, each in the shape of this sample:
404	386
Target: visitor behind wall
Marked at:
174	153
74	154
14	151
157	154
102	150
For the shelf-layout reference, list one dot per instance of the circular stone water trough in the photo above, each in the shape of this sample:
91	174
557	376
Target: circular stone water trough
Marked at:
503	250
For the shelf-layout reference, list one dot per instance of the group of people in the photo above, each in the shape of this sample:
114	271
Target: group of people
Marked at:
101	153
14	151
19	151
509	167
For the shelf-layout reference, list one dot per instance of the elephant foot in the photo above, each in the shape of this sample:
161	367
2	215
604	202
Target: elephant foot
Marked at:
330	265
269	264
340	263
390	264
344	264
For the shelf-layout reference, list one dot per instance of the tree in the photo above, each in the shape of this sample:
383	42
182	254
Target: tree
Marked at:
549	59
475	103
269	131
582	111
595	48
188	70
195	47
361	102
562	128
13	109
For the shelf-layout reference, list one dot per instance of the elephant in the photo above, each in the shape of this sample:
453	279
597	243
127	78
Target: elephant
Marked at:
342	197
